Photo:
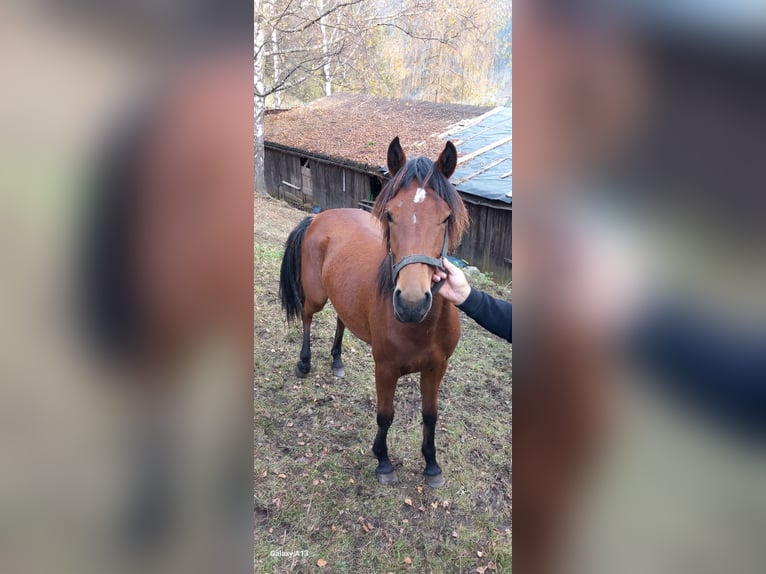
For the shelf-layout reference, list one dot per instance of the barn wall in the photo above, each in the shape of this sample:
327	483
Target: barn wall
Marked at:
321	183
487	243
336	186
279	167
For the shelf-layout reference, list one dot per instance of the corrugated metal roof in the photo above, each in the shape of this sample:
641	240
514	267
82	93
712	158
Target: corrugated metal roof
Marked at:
485	161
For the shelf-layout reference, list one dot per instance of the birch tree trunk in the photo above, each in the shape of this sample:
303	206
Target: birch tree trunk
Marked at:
325	50
259	103
277	70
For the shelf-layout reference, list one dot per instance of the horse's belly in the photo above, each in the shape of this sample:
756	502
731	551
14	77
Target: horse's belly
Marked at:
352	252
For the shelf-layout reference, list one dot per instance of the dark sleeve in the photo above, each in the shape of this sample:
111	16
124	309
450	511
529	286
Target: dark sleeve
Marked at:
715	368
492	314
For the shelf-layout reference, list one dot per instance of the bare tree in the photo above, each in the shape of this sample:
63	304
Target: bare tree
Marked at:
430	49
288	49
259	102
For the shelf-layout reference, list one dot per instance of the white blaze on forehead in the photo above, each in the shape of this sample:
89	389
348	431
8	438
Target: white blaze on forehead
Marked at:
414	218
420	195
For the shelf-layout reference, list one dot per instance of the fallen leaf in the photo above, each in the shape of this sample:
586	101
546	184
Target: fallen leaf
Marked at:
420	489
407	560
454	534
333	528
315	482
479	553
282	475
321	563
481	569
408	501
491	565
422	508
405	521
265	474
445	504
434	504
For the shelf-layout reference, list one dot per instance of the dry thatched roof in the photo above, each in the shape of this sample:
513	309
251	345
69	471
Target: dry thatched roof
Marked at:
359	128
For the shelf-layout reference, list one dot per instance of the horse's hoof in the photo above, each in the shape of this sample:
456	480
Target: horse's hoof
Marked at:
436	481
339	372
300	372
387	477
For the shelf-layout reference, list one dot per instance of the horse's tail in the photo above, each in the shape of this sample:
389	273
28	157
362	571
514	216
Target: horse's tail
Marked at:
290	288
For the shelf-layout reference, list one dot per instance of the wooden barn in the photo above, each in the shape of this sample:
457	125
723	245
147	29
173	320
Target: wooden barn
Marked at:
332	152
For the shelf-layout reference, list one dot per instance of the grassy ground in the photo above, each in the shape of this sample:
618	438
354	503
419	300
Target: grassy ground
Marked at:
317	505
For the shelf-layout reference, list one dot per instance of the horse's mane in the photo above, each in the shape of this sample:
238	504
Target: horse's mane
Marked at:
428	176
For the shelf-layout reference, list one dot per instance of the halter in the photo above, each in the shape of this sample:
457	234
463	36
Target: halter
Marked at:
410	259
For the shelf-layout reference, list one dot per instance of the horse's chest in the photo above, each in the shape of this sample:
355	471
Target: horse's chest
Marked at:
414	350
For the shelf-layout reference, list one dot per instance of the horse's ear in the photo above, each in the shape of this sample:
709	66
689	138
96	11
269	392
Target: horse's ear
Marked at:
396	157
447	160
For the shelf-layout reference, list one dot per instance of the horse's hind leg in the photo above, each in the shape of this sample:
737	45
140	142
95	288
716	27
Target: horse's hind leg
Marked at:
429	391
304	364
385	385
337	349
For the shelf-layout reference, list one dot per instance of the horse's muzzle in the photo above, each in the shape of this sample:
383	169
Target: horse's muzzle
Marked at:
411	311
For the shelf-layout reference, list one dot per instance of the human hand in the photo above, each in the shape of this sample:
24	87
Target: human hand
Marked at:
456	287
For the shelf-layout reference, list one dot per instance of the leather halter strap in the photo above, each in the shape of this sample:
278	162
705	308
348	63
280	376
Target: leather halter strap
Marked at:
410	259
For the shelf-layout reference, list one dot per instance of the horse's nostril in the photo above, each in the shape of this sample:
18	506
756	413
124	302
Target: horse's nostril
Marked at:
398	293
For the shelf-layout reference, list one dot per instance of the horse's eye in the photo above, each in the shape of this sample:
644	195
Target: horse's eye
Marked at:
388	217
447	219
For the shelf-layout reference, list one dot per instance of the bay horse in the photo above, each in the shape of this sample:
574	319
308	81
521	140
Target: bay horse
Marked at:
373	268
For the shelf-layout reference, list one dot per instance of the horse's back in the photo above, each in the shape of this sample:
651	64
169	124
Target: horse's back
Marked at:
348	233
342	252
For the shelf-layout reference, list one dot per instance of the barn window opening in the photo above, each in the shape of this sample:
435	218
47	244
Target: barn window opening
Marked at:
375	187
306	183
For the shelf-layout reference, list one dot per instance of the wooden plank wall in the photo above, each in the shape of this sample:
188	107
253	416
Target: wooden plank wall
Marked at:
281	167
487	243
330	190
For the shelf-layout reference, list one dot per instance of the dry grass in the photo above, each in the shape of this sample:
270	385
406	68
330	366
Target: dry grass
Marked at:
316	497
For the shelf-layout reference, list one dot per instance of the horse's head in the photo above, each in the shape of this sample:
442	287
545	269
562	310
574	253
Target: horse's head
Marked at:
422	216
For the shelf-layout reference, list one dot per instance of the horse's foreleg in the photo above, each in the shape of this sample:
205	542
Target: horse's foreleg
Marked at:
304	365
429	390
337	349
385	385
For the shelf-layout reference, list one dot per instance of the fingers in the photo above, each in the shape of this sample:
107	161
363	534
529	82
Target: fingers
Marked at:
439	275
449	266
